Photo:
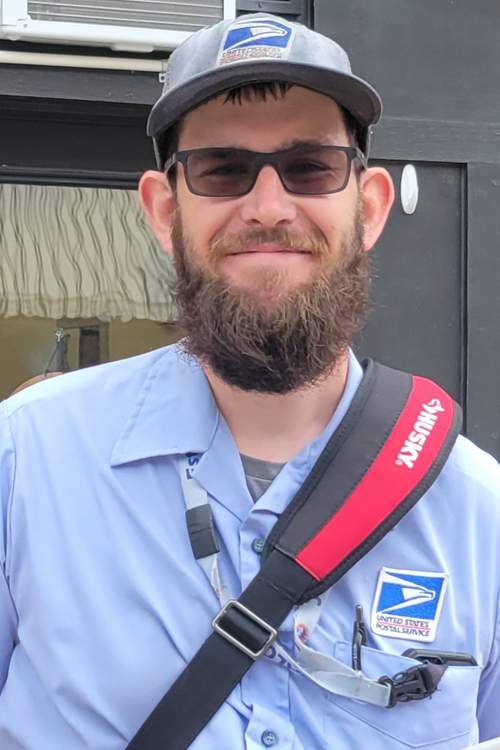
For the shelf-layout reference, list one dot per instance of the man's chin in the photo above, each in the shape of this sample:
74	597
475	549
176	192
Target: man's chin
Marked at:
268	288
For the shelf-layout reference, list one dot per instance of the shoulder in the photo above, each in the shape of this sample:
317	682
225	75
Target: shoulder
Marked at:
96	400
472	478
474	466
90	384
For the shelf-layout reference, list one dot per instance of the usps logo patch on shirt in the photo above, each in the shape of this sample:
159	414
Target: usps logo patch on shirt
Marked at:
408	604
261	39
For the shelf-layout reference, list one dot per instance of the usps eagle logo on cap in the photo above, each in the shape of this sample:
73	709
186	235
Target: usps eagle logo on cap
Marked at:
258	39
408	604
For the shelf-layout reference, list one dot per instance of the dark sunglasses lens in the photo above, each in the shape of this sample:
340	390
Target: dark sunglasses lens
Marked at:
315	171
219	172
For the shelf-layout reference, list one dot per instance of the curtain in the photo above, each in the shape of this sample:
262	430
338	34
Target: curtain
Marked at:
70	252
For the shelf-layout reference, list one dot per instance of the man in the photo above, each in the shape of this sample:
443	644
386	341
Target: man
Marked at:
265	200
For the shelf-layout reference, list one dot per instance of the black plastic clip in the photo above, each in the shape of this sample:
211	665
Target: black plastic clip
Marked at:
413	684
201	531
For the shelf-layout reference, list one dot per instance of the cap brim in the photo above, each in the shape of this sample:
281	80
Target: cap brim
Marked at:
349	91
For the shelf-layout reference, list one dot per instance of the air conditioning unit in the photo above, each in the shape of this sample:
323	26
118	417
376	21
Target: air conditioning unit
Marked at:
125	25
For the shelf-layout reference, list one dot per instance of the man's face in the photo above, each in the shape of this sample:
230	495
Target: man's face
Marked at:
272	286
238	238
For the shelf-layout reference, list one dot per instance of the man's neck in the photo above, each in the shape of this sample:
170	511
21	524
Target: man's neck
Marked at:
276	428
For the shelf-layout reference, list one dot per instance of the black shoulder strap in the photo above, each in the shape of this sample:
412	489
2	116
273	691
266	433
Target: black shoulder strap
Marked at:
388	450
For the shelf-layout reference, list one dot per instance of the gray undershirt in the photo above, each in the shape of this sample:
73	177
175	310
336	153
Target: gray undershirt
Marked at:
259	474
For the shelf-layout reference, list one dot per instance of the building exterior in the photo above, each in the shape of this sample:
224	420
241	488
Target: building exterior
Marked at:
80	274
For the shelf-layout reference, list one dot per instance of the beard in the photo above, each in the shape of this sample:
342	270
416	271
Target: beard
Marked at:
274	339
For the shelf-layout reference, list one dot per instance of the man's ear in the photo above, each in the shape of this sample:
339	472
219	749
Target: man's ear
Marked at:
377	196
157	200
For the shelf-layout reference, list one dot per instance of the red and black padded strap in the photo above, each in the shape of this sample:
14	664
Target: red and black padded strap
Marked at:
369	475
389	448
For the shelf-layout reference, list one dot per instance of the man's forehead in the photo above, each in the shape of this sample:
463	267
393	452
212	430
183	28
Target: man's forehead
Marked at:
303	115
262	95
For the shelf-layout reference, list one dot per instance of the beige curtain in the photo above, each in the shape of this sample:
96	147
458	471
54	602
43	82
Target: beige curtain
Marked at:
79	253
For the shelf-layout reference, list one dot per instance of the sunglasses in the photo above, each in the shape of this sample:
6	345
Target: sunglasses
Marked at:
230	172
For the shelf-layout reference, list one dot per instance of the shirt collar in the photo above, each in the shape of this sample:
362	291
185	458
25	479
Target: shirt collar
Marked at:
174	412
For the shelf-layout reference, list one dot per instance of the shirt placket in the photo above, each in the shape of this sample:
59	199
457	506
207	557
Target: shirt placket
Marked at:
267	677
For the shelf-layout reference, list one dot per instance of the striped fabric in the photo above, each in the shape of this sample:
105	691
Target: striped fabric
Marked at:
79	253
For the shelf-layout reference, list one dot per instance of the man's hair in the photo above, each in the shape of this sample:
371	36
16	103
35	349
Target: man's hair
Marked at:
168	142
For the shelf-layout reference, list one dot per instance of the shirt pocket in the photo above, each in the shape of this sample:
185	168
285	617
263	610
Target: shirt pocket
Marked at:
448	715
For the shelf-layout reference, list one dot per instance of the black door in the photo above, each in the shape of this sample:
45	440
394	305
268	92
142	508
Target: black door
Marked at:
436	64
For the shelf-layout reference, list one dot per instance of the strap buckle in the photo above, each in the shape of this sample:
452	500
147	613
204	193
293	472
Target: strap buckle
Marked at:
413	684
241	624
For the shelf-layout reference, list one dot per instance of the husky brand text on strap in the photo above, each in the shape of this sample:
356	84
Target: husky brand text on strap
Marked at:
421	430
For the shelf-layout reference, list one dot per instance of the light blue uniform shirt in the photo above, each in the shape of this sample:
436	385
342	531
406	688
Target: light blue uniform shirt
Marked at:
102	603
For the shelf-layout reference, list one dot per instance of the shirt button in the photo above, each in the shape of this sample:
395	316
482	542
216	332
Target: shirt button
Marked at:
258	545
269	738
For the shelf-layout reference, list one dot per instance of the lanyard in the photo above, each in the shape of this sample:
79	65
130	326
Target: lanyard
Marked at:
196	497
326	671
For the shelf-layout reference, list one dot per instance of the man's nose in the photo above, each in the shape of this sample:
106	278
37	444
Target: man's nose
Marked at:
268	204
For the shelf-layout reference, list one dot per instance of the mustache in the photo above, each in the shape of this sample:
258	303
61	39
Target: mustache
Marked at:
289	241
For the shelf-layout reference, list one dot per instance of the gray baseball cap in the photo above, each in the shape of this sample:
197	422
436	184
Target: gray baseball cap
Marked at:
255	48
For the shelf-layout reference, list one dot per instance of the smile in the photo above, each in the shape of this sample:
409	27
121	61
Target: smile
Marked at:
268	251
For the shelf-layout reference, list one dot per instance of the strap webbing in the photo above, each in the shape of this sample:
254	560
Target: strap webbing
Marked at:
218	667
298	561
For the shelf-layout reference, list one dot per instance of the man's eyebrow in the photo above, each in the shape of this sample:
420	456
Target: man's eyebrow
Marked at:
304	142
285	145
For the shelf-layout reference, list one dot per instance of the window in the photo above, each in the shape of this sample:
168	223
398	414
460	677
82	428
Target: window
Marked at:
82	280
